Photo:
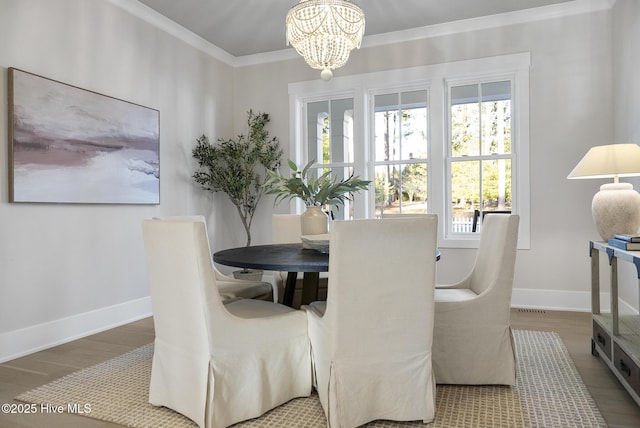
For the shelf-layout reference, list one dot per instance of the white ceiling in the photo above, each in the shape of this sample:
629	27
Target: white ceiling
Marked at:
246	27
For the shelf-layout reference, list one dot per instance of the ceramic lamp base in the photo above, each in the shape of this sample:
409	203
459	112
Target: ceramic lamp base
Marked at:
616	209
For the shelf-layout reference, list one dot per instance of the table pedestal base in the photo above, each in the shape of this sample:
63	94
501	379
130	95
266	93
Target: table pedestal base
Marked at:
309	288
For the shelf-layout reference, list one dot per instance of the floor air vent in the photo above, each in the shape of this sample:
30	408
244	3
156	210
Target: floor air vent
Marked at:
532	311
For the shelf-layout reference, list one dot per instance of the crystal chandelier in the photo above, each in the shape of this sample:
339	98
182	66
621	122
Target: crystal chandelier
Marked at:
324	32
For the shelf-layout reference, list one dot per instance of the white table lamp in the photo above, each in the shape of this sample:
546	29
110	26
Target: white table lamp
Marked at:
616	207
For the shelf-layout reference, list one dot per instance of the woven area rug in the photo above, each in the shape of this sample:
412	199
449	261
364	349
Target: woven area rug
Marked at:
549	393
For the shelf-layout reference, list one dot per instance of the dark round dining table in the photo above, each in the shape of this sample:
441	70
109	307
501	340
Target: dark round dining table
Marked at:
290	258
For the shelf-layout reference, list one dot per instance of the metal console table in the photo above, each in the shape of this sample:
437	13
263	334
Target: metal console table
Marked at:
616	337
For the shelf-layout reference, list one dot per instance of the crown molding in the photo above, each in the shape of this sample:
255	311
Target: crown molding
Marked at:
575	7
145	13
266	57
542	13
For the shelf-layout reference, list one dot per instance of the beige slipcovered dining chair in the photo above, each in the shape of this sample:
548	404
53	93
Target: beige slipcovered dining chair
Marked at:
286	229
371	339
216	363
473	343
231	288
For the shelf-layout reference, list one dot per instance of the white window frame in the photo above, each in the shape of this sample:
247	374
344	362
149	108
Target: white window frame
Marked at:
433	78
512	156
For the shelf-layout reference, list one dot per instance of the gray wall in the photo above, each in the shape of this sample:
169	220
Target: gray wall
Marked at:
66	270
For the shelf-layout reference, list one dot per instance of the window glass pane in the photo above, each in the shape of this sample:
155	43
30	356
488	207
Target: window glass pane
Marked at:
466	94
496	185
330	131
481	118
414	188
318	130
386	185
496	118
401	189
387	127
413	100
496	91
469	193
465	187
386	102
341	131
414	124
465	121
400	124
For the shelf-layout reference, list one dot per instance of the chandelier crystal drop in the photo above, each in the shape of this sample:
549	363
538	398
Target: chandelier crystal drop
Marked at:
324	32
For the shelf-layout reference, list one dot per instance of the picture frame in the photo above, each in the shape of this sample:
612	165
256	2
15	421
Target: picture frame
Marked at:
72	145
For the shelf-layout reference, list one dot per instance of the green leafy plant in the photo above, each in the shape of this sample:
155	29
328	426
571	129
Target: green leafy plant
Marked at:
320	191
238	166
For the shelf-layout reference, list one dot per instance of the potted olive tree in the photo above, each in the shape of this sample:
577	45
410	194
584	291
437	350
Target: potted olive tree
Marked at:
238	166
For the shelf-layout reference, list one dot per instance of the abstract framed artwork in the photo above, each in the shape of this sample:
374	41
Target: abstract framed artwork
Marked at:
71	145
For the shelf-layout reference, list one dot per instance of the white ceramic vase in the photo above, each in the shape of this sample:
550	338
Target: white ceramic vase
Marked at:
314	221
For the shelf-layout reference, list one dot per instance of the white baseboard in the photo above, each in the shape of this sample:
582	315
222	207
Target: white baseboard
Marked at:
562	300
557	300
17	343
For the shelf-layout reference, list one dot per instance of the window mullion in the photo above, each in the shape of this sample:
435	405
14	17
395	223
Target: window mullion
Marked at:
361	152
439	157
485	157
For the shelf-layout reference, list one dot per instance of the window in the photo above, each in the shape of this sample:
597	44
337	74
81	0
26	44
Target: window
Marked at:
330	142
400	148
479	154
449	139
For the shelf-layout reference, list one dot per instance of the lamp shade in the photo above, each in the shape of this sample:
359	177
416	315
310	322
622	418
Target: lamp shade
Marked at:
616	207
622	160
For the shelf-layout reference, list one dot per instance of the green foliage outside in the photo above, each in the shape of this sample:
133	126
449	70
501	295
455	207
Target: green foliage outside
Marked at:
414	181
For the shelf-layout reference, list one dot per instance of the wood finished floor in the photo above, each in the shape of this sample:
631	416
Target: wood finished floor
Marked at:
22	374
